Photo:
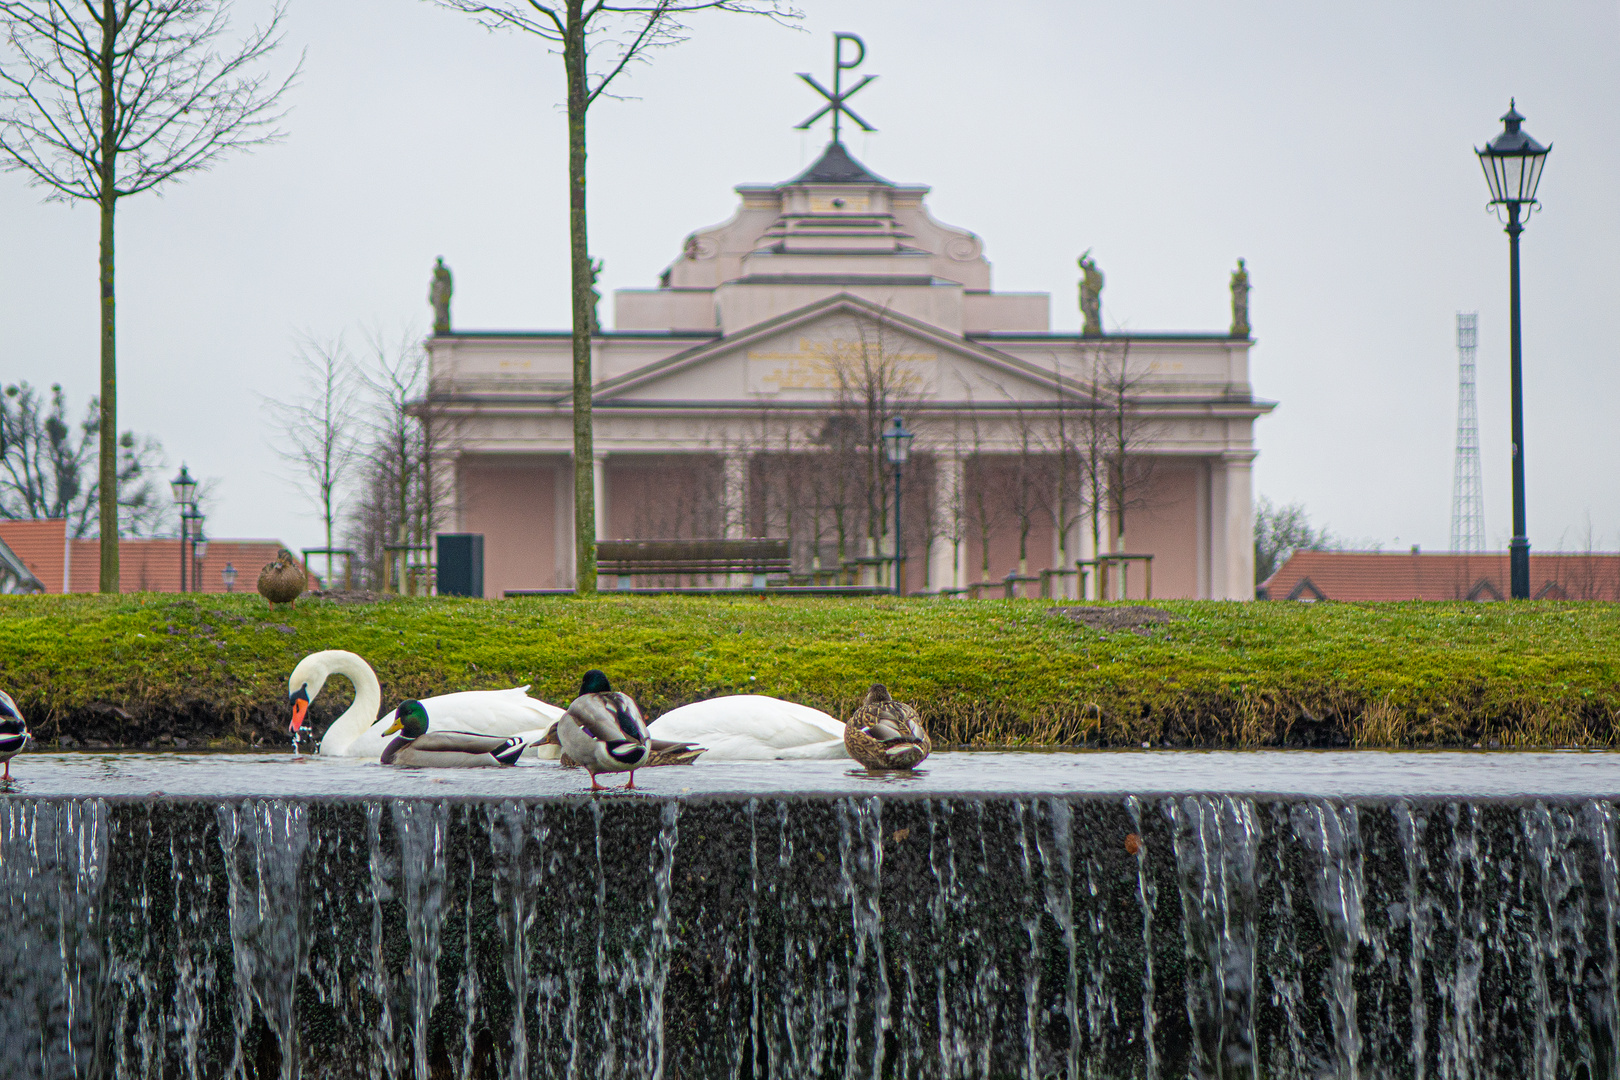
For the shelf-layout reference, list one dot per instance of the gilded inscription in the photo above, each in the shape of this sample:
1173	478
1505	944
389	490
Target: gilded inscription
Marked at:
831	366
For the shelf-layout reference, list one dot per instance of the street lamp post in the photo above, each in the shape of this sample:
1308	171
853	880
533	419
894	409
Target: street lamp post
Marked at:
229	576
199	552
1512	162
185	497
897	445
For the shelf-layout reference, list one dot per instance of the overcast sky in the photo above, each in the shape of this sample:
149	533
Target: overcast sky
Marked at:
1328	144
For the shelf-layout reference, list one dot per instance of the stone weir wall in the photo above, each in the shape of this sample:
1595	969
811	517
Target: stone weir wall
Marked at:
1155	937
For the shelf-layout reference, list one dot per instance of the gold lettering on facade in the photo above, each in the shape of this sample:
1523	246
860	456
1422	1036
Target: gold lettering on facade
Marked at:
841	364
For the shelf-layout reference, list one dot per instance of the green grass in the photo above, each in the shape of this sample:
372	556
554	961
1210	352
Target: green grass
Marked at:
140	669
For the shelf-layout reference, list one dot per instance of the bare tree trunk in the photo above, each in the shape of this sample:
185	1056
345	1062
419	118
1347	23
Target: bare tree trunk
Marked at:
109	323
574	62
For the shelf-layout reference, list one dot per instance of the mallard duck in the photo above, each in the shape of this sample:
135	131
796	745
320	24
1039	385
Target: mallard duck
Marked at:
283	581
886	734
13	731
416	745
752	727
659	752
359	733
603	730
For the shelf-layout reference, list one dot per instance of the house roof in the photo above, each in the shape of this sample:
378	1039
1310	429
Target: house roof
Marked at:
1378	575
64	564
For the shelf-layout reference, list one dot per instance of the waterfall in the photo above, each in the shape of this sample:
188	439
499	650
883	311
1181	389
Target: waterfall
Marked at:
1152	937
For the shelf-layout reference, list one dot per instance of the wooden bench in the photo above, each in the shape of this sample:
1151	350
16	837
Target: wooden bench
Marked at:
624	559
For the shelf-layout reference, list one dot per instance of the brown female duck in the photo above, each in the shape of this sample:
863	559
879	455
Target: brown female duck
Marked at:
885	733
282	581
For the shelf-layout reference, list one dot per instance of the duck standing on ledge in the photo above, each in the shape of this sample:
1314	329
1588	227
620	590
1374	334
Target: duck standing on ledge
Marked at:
416	745
283	581
603	730
13	731
885	733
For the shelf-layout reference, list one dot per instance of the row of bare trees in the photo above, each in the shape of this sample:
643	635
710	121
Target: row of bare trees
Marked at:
364	445
1074	460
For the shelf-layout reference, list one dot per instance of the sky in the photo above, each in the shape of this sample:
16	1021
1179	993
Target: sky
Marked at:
1329	145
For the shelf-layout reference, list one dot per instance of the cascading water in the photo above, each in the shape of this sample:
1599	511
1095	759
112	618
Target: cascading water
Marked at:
810	936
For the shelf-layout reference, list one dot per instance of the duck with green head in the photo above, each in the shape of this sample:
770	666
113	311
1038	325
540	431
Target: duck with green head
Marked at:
416	745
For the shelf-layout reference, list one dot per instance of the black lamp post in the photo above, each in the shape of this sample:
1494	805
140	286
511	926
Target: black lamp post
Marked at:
897	445
199	552
1512	163
185	497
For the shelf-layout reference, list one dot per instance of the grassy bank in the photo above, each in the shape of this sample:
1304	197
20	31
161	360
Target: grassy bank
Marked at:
148	669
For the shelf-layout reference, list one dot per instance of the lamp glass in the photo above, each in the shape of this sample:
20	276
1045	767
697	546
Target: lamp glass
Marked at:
228	575
897	442
199	547
184	487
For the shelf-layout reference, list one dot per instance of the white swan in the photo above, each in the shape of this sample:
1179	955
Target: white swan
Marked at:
360	733
752	727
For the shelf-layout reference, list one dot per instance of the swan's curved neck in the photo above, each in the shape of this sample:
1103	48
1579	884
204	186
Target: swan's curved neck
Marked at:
359	717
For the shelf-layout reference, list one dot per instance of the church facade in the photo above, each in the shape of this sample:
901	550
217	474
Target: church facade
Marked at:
746	395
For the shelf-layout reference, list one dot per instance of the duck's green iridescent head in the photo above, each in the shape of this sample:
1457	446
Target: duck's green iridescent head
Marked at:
411	718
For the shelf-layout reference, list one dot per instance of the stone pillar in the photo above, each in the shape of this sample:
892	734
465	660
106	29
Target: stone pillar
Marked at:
1239	524
1231	533
943	572
599	486
734	495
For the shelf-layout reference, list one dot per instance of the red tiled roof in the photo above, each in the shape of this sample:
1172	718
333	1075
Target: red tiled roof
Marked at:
150	565
1377	575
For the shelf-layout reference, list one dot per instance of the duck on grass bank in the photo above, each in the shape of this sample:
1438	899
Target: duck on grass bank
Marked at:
603	730
886	734
359	733
753	727
417	746
13	731
283	581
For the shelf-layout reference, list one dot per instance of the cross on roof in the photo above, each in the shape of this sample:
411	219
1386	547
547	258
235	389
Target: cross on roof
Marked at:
837	96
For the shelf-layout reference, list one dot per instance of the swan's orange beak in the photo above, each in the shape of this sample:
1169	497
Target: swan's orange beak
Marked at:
300	707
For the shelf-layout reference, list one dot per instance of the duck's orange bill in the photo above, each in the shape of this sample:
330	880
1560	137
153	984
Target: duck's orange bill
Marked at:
300	707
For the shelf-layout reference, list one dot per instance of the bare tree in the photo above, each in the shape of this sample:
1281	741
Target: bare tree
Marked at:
404	437
101	100
597	42
44	466
316	433
1115	474
1060	490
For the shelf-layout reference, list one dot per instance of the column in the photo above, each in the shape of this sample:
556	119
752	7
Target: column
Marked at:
943	573
734	495
1238	524
600	495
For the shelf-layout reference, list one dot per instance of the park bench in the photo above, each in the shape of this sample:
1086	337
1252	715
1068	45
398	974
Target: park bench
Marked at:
626	559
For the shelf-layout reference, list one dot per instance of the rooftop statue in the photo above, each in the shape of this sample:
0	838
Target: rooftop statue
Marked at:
596	296
1240	301
439	296
1091	286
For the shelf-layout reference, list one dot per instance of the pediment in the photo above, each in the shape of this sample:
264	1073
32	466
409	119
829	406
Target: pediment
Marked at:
829	350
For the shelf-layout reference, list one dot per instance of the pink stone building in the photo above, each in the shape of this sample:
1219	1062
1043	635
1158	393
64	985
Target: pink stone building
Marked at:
743	395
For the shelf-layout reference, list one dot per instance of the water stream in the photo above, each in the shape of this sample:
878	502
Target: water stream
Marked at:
879	931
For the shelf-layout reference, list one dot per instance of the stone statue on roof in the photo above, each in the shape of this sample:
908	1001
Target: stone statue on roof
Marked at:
1091	286
596	297
439	296
1240	301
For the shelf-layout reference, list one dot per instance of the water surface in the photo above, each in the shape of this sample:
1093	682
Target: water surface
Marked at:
1323	774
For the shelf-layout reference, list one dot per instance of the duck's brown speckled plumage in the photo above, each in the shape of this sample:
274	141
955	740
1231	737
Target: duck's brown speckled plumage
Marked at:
283	581
886	734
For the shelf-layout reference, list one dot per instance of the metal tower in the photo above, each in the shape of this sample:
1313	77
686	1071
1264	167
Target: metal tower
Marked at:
1467	492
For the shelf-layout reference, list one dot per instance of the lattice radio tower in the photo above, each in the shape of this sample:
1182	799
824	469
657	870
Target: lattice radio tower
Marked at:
1467	491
